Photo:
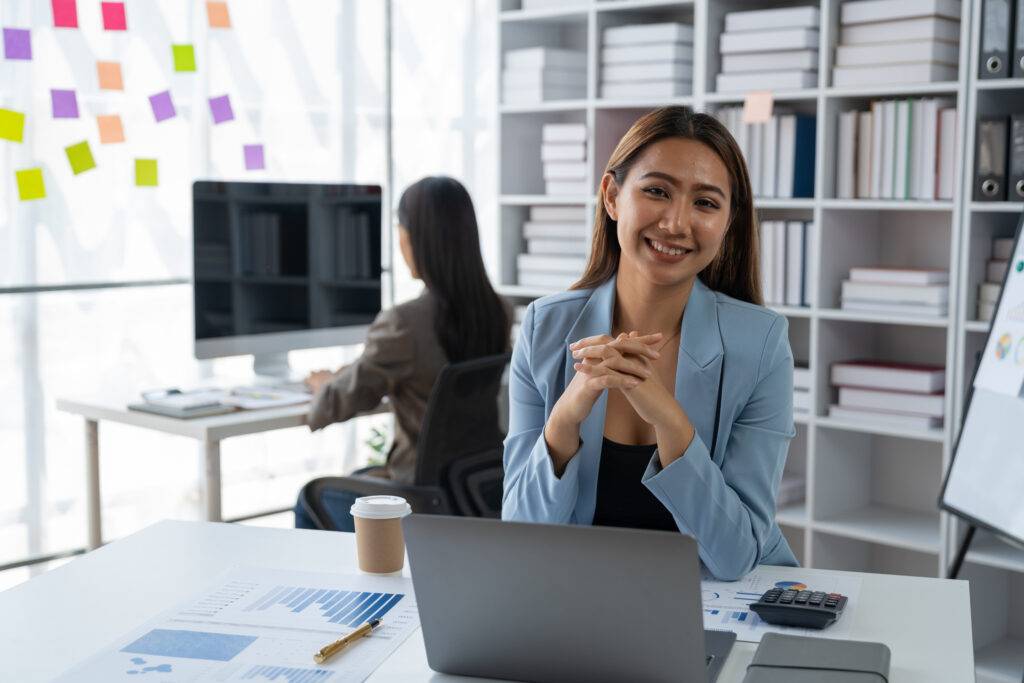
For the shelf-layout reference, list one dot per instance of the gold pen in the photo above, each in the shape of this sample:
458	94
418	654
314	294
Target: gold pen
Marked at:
329	650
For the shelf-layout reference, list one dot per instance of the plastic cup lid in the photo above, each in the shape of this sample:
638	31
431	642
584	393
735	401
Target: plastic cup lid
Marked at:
380	507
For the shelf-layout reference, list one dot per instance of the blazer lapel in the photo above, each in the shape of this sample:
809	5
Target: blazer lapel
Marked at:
699	366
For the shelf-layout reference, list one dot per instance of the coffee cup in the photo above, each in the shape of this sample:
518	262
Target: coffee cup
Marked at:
379	542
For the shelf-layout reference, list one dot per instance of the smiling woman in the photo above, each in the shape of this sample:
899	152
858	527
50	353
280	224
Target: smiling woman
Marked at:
612	423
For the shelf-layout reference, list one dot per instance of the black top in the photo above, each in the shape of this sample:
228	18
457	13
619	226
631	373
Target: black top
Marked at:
622	498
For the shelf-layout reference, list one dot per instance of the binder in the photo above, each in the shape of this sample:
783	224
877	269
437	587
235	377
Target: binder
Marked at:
1015	186
803	164
990	152
1018	40
996	24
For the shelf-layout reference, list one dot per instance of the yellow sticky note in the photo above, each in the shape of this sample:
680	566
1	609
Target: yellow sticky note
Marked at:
145	172
110	75
12	125
80	157
217	14
758	106
111	130
30	184
184	57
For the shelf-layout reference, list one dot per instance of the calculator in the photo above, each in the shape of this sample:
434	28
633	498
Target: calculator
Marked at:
803	608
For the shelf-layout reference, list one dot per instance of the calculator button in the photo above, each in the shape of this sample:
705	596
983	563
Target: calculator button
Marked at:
815	600
801	597
786	599
770	598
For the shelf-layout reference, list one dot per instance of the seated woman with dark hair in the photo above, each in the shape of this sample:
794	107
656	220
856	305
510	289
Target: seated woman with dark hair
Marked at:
458	317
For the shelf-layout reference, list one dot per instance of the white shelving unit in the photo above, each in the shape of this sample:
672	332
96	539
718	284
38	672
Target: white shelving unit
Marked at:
871	492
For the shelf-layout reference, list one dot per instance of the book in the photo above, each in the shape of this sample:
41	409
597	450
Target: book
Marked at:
1002	248
555	230
786	162
546	280
565	170
986	311
864	11
802	377
995	270
551	264
901	174
922	28
916	310
777	80
185	404
654	52
865	140
988	292
563	151
801	401
642	89
780	238
946	153
639	34
785	60
875	374
772	39
755	152
897	420
783	17
563	132
846	158
567	187
541	78
888	165
929	295
885	74
877	147
769	156
898	52
551	4
541	93
557	247
663	71
933	405
796	262
546	57
569	214
899	276
803	157
765	260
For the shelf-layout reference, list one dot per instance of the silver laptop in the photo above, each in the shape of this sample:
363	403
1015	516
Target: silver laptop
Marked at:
560	604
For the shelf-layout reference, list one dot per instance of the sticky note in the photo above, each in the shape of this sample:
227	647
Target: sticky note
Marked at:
254	157
111	129
80	157
65	13
145	172
163	107
184	57
114	18
30	184
17	43
12	125
220	107
757	107
109	75
217	14
65	104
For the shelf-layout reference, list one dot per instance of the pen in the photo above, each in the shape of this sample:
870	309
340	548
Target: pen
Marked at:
328	650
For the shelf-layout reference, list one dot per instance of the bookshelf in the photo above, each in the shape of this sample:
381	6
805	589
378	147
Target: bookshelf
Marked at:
870	489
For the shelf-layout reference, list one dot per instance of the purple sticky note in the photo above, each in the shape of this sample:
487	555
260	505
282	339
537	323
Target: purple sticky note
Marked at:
65	104
220	107
163	107
17	43
254	157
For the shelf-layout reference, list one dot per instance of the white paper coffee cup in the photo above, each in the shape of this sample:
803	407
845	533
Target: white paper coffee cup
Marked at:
379	542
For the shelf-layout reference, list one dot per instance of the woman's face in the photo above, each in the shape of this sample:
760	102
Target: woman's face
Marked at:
672	211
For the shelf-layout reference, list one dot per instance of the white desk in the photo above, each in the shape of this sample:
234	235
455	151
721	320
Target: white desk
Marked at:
60	618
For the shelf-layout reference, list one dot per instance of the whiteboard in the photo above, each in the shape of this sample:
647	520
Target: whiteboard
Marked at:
985	482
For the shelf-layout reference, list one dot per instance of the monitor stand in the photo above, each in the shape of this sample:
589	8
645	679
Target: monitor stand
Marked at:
272	365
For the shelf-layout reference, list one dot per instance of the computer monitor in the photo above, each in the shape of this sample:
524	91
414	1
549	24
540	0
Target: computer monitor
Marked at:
283	266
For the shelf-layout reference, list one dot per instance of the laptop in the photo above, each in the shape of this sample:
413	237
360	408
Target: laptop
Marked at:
559	603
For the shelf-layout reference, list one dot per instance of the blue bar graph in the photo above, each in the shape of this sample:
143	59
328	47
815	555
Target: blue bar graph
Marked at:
272	673
351	608
162	642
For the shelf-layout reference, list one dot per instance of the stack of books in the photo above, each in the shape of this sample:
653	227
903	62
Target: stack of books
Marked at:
779	153
995	271
901	149
536	74
904	291
801	388
784	272
769	49
563	153
556	247
892	394
897	41
642	61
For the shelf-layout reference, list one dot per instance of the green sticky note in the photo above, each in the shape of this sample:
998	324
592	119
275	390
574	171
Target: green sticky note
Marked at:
30	184
145	172
184	57
12	125
80	157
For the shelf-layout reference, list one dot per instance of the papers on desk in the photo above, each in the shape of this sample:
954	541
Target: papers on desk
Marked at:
258	624
206	402
726	603
255	398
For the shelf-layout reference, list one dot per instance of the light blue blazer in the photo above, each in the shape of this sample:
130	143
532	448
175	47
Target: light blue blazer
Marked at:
725	499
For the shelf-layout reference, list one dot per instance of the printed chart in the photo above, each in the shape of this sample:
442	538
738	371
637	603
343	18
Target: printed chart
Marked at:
1002	367
264	625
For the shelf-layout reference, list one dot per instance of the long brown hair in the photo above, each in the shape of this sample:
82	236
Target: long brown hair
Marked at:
735	271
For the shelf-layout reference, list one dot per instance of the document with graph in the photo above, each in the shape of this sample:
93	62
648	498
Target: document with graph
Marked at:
264	625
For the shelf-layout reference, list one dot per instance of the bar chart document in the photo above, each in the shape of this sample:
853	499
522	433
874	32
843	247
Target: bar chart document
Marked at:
263	625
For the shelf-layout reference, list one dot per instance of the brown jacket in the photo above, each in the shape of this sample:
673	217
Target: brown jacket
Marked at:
401	360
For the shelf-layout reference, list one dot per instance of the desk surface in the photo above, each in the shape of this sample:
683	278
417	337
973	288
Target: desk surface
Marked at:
60	618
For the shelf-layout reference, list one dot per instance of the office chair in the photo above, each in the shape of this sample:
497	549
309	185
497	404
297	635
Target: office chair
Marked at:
458	455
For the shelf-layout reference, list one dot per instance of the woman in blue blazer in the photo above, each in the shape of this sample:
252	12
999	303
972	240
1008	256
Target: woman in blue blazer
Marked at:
658	391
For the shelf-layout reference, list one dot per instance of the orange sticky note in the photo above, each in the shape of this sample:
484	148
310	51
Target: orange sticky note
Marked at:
758	106
111	130
217	14
110	75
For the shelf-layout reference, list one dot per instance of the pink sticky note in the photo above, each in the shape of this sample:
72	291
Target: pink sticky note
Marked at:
113	16
254	158
163	107
65	13
17	43
65	104
220	107
757	107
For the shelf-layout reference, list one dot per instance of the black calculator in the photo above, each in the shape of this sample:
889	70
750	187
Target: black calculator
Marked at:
803	608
